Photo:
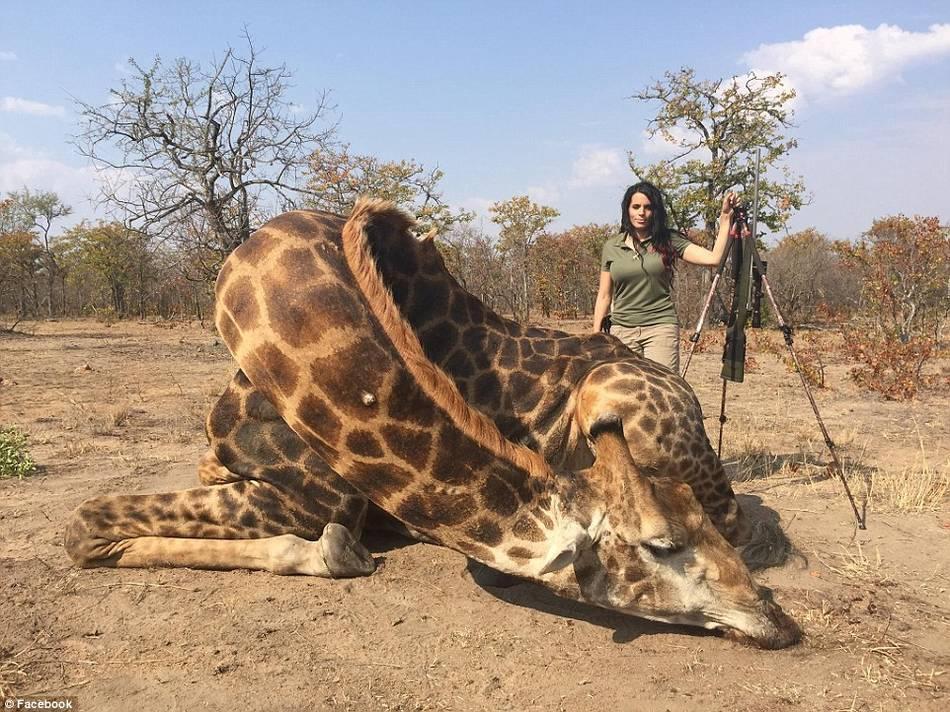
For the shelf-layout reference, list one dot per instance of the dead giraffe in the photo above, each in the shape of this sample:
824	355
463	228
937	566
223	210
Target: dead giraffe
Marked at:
546	388
344	370
541	387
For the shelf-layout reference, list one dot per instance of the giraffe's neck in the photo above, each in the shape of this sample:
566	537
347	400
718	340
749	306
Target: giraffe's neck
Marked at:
347	374
521	377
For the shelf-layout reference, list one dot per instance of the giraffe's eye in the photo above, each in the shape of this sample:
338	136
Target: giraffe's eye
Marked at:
660	548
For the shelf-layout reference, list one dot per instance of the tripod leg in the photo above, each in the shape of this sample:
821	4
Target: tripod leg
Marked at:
722	416
787	331
694	339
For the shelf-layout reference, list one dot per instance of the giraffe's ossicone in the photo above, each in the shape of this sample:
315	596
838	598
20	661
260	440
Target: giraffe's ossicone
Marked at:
340	403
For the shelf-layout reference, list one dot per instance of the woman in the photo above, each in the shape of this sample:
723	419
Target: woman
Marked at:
637	274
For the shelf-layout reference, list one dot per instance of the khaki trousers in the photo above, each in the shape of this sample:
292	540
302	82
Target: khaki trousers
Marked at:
660	342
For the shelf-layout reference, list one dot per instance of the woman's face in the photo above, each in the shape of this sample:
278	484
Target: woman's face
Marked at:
640	212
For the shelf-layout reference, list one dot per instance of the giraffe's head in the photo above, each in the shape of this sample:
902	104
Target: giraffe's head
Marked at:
649	550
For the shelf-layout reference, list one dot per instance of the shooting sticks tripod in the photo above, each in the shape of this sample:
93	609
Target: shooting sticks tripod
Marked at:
741	246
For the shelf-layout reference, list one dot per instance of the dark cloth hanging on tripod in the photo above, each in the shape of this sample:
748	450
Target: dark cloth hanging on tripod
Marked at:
733	354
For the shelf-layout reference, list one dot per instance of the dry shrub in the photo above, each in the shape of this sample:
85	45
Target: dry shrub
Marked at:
810	361
100	423
808	347
74	449
904	265
710	339
106	315
889	366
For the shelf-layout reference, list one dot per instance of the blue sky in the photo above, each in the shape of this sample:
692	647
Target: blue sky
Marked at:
519	97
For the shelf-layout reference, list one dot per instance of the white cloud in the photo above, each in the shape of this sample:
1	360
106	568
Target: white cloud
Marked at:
9	148
16	105
21	167
7	56
77	187
848	58
544	194
476	204
597	166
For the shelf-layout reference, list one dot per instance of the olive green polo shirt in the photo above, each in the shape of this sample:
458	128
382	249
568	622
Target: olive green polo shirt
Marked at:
641	283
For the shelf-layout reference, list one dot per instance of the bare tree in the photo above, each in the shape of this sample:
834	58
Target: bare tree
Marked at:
808	278
476	262
188	146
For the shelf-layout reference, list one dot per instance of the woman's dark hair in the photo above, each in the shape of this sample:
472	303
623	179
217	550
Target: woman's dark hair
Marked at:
658	229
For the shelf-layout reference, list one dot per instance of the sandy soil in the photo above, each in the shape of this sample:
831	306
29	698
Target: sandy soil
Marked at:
120	409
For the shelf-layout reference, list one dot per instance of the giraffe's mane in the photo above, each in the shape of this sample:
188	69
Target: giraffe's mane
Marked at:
371	212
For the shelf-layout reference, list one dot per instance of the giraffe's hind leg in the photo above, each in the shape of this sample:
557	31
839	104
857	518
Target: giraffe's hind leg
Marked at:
244	524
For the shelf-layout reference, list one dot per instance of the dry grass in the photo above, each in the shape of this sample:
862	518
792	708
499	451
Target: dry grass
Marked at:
914	489
750	459
13	672
917	488
74	449
881	657
859	624
856	565
120	414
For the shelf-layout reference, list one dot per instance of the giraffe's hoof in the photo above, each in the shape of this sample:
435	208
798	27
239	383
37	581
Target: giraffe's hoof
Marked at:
343	554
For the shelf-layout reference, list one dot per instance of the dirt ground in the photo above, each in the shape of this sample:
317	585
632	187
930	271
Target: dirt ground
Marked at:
120	409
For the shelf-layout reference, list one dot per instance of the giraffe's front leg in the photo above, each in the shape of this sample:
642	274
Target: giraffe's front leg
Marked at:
212	472
241	525
663	425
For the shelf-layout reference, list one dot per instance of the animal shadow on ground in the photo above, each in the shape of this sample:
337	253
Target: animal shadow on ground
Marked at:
527	594
760	464
768	544
381	542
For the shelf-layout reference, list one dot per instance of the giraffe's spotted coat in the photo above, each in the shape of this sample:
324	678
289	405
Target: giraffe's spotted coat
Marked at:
314	348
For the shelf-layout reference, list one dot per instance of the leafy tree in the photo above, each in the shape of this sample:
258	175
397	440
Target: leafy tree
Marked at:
565	269
905	268
117	258
522	222
36	213
19	265
716	127
201	147
338	177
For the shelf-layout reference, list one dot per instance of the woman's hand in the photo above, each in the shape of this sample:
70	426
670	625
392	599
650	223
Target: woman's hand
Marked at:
697	255
729	201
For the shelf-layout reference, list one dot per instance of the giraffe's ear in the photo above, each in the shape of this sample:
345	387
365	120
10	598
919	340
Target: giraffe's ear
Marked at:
566	544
